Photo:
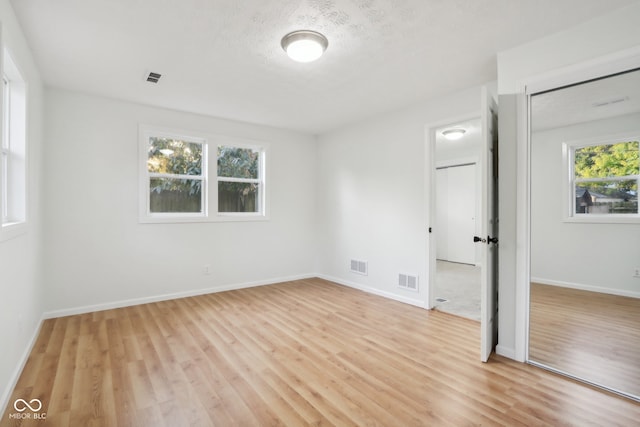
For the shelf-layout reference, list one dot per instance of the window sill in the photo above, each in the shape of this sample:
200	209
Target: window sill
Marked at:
201	219
603	219
12	230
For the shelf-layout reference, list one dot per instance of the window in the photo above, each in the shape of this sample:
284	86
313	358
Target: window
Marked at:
178	186
176	180
240	182
13	167
604	179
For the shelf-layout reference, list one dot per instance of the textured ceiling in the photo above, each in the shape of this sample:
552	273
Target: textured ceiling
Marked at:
223	57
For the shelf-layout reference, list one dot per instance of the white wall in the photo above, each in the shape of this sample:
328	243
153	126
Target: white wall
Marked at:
21	280
573	48
98	255
598	257
371	199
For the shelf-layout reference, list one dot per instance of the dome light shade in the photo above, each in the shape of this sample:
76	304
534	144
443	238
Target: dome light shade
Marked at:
453	134
304	45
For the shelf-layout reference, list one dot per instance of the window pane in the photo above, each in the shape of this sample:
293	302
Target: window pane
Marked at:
174	156
607	197
238	197
608	160
235	162
175	195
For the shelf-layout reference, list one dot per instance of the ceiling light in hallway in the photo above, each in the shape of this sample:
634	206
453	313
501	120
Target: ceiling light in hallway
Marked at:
453	134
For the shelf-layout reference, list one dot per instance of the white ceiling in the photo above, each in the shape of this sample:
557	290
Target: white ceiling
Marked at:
223	57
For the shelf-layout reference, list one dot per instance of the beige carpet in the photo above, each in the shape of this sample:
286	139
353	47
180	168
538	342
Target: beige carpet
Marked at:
459	284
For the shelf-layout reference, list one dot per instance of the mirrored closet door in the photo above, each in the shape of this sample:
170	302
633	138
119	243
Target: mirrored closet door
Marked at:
584	318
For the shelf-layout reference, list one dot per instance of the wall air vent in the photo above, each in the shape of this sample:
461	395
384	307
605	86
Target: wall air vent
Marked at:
359	267
153	77
407	281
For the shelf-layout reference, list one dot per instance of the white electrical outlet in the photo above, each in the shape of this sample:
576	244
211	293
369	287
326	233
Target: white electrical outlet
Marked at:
636	272
206	269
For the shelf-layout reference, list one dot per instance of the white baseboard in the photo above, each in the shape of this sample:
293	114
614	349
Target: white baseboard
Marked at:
370	290
165	297
13	380
507	352
580	286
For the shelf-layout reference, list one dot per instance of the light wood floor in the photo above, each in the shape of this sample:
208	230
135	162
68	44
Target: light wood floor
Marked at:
298	353
591	335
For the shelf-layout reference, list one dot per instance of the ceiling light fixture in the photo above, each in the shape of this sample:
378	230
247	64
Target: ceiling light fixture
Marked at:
304	45
453	134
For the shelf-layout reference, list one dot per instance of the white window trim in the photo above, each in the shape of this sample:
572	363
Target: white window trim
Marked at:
209	176
568	193
6	117
11	227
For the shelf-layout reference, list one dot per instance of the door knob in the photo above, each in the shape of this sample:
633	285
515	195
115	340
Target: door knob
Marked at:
488	240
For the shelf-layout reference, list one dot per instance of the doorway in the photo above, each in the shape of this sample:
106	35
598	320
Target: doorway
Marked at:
484	153
456	286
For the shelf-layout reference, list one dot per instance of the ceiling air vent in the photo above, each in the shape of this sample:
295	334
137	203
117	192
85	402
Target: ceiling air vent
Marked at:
153	77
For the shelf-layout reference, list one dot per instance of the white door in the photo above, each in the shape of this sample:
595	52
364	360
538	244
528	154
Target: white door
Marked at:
462	212
489	227
442	214
456	211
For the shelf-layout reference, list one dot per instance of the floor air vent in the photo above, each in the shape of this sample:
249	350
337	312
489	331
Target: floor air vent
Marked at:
440	299
359	267
407	281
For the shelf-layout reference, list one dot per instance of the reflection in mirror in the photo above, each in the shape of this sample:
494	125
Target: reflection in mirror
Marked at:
585	232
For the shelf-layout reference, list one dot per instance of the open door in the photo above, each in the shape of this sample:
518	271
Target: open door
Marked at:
489	229
487	223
